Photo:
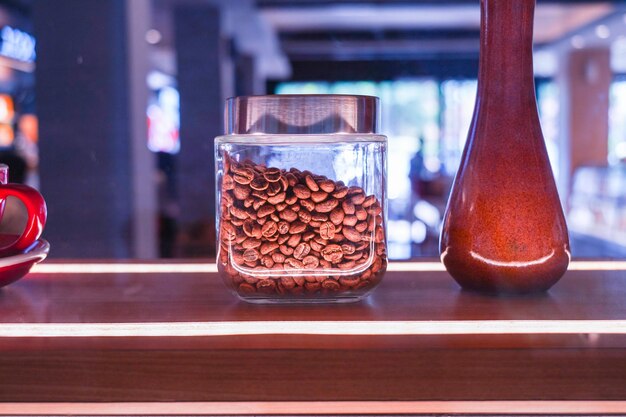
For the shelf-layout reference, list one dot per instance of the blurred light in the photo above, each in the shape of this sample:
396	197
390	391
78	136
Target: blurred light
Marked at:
578	42
427	213
418	232
153	36
399	231
603	31
156	80
620	151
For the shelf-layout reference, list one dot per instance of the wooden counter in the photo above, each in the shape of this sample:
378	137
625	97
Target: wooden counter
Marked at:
170	339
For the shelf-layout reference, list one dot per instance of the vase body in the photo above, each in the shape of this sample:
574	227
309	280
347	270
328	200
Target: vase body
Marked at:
504	229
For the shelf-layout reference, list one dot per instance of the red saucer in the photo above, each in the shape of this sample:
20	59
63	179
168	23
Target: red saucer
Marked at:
15	265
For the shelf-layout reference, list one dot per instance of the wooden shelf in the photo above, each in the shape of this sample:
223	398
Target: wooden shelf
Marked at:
168	340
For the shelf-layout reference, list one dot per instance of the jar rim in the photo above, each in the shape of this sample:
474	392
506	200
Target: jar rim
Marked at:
302	114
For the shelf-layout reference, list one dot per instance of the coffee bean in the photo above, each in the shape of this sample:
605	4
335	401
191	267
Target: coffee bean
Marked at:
272	174
286	250
244	176
278	198
310	182
266	210
273	188
361	227
283	239
288	215
326	206
305	215
294	240
259	183
268	247
318	196
241	192
251	243
351	234
294	263
336	216
269	229
358	198
227	183
302	192
239	213
308	204
332	253
327	186
348	207
348	248
310	262
319	217
251	255
340	192
327	230
301	251
297	227
267	261
350	220
361	214
278	257
291	200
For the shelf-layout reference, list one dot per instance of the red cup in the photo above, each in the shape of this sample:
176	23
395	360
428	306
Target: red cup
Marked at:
35	206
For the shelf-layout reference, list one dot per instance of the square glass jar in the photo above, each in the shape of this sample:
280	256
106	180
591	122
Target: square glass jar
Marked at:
301	199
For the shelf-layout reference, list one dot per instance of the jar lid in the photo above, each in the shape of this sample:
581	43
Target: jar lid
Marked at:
301	114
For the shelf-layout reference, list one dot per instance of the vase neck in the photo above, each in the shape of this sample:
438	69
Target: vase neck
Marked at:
506	57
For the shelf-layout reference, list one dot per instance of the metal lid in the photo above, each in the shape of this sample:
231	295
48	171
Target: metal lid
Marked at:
301	114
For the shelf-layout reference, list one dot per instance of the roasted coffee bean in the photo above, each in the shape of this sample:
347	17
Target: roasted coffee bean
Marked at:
340	192
351	234
336	216
272	174
308	236
268	247
297	227
358	198
308	204
286	250
305	215
251	255
350	220
283	227
261	195
301	251
348	207
361	227
248	227
251	243
349	281
332	253
319	217
326	206
291	179
259	184
291	200
327	186
239	213
244	176
278	257
374	210
257	204
318	196
273	188
266	210
331	284
348	248
310	262
274	217
369	201
294	240
278	198
312	287
241	192
267	261
316	246
310	182
269	229
327	230
227	183
361	214
294	263
246	288
288	215
302	192
266	286
283	239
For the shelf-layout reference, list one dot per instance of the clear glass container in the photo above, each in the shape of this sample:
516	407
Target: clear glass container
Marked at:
301	198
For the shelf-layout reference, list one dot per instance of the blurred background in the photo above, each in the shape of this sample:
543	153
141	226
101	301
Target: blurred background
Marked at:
110	108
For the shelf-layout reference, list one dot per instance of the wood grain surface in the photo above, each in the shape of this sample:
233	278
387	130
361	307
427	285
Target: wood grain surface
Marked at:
303	367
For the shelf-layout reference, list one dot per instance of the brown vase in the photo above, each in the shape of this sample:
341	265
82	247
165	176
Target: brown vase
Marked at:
504	229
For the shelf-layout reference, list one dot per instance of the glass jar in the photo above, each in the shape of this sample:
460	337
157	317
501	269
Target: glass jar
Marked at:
301	198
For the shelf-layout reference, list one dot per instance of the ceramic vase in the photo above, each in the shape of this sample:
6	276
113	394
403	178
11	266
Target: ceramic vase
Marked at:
504	229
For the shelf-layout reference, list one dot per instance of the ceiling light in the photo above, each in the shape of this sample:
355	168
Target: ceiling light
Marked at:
578	42
153	36
603	31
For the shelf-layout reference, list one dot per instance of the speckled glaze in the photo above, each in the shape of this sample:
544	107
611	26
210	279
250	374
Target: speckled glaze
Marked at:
504	229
